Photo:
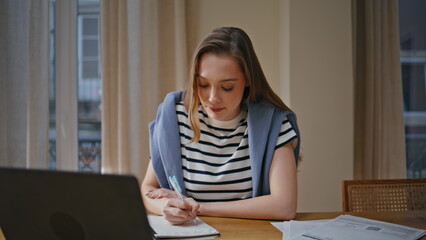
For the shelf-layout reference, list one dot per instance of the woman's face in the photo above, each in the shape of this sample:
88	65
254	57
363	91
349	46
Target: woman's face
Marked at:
220	86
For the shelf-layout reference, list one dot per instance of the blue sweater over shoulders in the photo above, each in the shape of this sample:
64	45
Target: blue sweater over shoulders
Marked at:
264	124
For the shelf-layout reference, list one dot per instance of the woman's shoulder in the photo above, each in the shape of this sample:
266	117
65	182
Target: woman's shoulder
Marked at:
170	101
260	111
267	107
168	106
176	96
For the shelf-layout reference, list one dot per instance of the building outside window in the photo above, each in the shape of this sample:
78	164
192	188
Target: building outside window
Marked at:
412	24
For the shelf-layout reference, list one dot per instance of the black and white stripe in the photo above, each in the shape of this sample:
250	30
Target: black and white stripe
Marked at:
218	168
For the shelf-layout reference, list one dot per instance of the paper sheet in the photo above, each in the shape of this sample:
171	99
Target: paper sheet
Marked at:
163	229
294	228
347	227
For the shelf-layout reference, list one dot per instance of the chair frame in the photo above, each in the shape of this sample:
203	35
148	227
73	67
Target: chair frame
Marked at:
381	184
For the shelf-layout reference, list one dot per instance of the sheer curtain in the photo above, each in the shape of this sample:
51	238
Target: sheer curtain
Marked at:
24	61
379	126
143	58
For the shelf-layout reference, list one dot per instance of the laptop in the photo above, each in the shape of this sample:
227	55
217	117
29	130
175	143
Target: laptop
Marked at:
42	204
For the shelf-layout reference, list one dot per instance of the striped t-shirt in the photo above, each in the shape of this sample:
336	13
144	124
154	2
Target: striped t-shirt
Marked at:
217	168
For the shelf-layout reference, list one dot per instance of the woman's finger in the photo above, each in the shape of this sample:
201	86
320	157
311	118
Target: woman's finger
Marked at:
176	216
161	193
193	206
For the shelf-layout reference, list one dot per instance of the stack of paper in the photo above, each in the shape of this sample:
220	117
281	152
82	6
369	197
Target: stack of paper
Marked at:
347	227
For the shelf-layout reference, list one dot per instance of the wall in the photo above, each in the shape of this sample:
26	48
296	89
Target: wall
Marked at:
304	47
259	19
322	95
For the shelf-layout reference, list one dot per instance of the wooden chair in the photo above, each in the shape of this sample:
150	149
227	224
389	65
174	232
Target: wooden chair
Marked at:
384	195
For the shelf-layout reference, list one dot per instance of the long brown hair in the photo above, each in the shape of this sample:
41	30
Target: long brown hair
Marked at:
232	42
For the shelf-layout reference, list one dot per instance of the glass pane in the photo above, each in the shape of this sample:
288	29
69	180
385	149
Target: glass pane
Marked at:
90	48
412	23
413	78
89	88
90	69
90	26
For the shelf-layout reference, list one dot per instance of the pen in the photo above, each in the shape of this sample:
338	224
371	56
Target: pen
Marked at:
178	190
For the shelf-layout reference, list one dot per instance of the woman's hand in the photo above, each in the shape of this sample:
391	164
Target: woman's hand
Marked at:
178	211
166	202
161	193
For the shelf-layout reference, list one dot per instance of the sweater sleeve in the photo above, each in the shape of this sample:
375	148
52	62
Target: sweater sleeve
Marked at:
287	134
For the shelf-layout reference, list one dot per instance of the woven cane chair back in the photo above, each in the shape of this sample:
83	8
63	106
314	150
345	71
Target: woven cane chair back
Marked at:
384	195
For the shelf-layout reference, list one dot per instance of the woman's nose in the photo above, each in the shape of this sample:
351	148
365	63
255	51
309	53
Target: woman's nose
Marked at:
214	96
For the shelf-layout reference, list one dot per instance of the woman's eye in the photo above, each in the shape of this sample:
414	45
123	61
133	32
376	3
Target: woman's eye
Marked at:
228	89
203	85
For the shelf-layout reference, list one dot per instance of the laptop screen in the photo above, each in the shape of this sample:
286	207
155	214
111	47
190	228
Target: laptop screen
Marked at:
41	204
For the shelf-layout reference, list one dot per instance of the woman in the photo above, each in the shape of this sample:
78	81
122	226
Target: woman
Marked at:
231	142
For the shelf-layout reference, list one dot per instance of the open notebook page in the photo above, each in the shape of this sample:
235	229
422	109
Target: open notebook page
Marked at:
163	229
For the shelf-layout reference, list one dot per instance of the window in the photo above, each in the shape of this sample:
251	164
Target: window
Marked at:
88	90
412	23
89	87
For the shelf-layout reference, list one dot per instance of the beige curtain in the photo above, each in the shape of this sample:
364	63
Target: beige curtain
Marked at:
379	126
143	58
24	62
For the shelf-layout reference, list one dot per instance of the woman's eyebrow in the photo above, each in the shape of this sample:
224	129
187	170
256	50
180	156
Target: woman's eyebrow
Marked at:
229	80
223	80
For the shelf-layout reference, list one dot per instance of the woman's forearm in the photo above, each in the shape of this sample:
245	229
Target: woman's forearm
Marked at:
153	205
263	207
150	183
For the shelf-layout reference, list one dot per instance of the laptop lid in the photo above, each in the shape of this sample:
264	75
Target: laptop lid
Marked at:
41	204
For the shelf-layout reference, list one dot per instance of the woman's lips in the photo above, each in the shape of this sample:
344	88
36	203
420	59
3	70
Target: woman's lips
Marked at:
216	109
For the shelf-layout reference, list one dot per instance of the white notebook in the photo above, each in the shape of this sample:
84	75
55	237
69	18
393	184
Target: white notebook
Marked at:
197	228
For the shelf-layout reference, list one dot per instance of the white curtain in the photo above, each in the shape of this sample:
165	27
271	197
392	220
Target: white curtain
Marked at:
379	125
143	58
24	61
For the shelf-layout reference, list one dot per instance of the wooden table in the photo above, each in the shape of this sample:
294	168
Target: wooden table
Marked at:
232	228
